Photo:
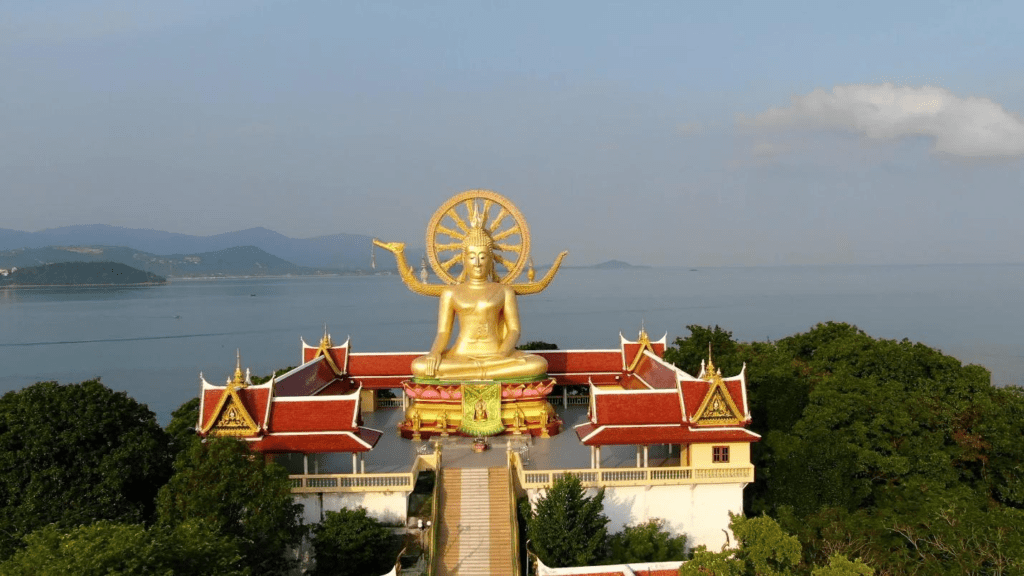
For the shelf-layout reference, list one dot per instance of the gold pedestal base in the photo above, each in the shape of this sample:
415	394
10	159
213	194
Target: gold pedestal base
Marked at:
443	417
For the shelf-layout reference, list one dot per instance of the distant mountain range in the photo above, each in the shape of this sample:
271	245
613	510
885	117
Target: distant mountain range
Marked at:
236	261
340	252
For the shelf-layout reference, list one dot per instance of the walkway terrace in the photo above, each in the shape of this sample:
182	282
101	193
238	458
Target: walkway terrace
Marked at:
394	454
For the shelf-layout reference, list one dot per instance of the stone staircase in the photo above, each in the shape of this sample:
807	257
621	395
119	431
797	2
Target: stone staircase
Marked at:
475	537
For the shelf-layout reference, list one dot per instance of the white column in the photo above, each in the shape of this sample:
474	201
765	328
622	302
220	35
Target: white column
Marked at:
305	464
637	455
355	462
405	400
362	463
645	455
598	457
316	464
565	397
593	457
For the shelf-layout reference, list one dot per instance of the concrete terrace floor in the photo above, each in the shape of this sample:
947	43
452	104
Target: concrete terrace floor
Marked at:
396	454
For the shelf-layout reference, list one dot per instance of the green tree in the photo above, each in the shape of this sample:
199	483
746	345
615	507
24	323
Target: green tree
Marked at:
350	543
567	528
688	353
765	549
73	454
182	428
839	565
646	542
537	345
107	548
221	483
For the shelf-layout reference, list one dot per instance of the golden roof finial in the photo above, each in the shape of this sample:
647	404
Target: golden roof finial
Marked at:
239	377
645	344
325	341
709	371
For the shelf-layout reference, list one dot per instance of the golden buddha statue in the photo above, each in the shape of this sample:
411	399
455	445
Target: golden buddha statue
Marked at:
483	301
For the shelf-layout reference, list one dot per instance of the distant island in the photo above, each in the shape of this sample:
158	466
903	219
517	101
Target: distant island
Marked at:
240	261
606	265
614	265
79	274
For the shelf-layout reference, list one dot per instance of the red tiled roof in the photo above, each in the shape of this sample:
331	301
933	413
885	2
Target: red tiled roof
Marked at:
381	364
655	373
313	414
602	435
362	440
305	380
637	407
581	361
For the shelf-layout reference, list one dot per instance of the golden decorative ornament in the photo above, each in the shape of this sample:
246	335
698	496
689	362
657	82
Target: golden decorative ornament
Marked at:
468	217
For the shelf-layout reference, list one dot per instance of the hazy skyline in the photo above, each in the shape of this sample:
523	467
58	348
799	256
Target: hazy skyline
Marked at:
657	133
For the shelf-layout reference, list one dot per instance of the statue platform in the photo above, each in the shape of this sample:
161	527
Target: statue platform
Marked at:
479	408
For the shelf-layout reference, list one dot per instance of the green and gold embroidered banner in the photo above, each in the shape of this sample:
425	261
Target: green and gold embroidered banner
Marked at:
481	409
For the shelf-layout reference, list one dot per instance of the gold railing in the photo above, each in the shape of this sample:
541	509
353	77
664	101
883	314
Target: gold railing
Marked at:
391	482
516	569
435	514
601	477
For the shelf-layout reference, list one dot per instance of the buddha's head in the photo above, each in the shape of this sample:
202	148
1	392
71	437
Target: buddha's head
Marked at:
478	252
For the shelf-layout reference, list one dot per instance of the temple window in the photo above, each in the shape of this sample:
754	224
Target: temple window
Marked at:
720	454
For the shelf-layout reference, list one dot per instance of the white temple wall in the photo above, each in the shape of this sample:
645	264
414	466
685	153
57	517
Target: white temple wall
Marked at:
701	511
388	507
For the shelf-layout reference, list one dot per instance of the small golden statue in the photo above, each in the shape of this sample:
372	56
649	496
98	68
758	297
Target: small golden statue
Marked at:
483	300
517	422
442	423
480	410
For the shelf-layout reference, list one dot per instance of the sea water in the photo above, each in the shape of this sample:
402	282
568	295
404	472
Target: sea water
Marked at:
153	342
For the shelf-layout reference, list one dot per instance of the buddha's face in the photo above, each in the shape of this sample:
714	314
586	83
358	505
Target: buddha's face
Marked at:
477	261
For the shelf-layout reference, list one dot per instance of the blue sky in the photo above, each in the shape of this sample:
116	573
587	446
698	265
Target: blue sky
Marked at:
664	133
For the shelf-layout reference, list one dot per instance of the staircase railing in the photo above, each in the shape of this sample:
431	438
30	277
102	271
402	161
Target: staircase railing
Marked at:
435	508
513	517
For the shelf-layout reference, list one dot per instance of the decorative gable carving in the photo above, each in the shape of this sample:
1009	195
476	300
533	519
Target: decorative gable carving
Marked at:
718	408
232	419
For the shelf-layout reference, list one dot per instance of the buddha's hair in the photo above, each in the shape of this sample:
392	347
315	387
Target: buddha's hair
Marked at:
477	237
477	234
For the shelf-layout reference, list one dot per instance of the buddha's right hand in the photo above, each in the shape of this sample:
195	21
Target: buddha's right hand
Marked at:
432	361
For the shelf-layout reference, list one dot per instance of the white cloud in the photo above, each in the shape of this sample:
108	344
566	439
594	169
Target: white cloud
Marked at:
975	127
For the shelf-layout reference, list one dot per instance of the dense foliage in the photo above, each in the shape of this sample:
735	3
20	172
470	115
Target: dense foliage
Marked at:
224	485
73	454
350	543
764	549
107	548
567	528
182	428
537	345
645	542
883	450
